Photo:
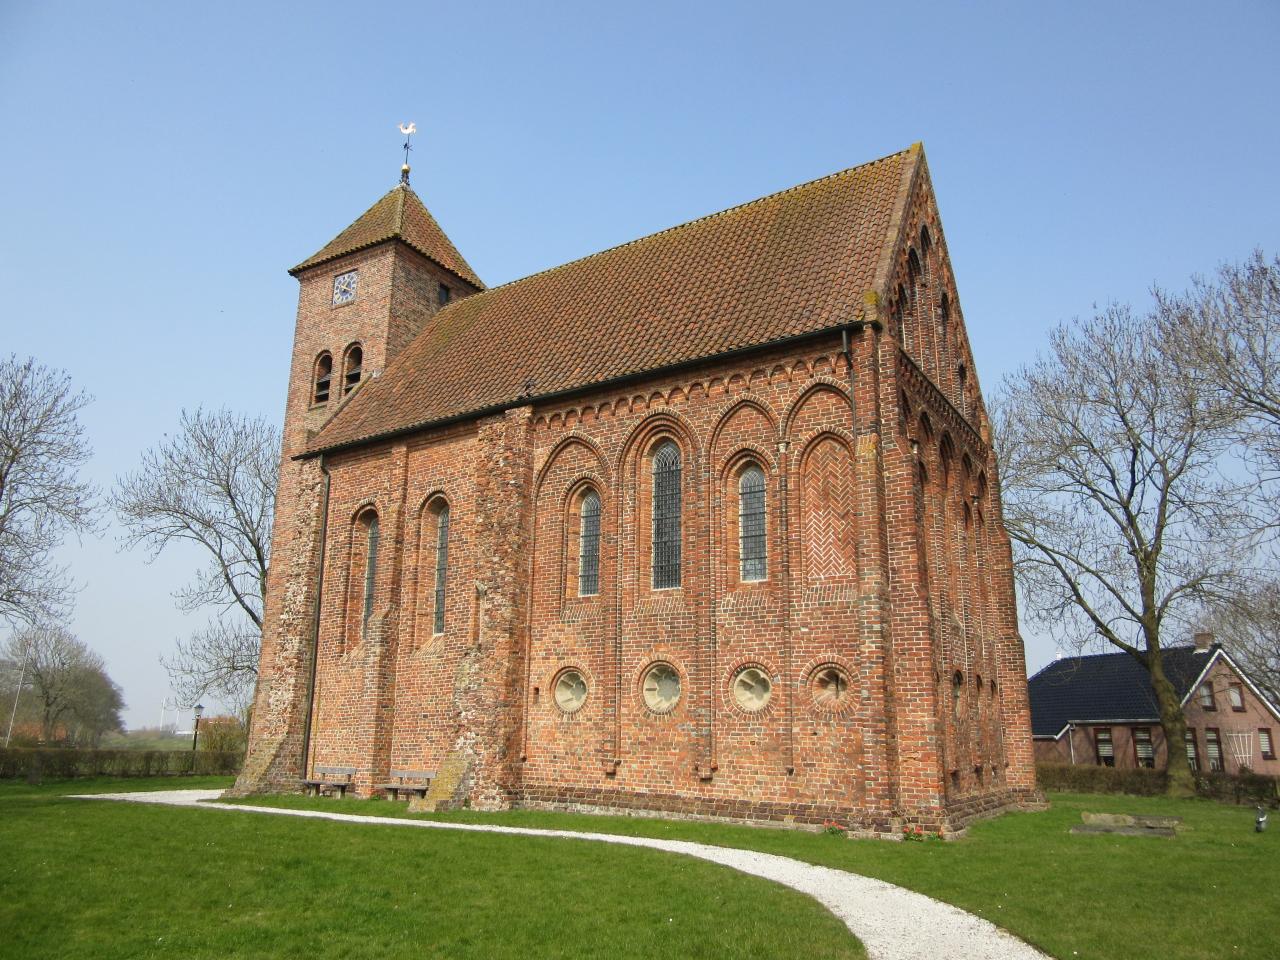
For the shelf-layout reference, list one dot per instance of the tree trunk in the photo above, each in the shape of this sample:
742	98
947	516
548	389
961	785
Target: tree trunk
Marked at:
1181	782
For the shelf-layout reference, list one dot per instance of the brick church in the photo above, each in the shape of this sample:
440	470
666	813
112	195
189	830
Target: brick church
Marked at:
704	524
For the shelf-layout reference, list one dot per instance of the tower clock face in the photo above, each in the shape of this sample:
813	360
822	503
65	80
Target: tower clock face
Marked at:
344	287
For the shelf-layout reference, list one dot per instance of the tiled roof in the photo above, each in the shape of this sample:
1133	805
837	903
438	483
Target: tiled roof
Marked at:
789	264
1107	686
398	215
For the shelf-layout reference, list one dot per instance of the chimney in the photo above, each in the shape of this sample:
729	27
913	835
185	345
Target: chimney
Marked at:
1203	640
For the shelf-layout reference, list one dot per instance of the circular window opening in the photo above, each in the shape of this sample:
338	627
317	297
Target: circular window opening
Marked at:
570	691
661	688
831	687
752	689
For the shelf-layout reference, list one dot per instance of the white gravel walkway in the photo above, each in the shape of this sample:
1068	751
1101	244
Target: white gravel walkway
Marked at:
893	923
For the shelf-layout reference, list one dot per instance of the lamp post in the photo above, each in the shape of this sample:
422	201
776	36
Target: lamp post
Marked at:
195	734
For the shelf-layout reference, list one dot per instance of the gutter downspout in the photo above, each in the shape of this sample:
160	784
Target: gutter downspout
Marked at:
315	623
1071	740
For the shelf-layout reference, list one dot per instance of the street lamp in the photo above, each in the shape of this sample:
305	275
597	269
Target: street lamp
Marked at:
195	734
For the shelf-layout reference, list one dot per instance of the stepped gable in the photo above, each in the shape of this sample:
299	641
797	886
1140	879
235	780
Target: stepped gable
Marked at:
399	215
789	264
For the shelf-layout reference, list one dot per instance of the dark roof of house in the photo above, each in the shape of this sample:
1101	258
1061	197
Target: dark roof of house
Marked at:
1106	686
399	215
791	264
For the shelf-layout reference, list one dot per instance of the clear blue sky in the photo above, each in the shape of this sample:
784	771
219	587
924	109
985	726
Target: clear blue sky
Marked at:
163	165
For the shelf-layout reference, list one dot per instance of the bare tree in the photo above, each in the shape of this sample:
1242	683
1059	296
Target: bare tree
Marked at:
212	484
42	497
221	659
69	682
1122	521
1249	627
1225	332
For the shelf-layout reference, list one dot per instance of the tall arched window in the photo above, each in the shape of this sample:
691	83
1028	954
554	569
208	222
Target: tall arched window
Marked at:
752	541
666	516
352	365
442	567
324	373
900	314
589	546
370	566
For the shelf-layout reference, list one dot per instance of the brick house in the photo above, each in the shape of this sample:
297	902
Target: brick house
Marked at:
704	524
1101	710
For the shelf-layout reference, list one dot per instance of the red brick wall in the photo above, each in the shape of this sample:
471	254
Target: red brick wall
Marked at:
873	569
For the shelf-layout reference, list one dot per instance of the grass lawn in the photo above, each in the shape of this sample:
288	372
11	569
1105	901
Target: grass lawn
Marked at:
82	878
1212	892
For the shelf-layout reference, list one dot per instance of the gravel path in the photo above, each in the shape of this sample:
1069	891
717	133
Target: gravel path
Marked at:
893	923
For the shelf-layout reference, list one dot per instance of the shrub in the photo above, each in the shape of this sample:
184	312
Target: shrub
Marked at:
1088	778
1243	787
53	763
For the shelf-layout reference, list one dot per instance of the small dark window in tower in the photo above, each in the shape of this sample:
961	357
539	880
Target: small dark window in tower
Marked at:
442	566
442	297
666	516
963	376
370	566
589	547
900	315
944	315
751	524
324	374
353	362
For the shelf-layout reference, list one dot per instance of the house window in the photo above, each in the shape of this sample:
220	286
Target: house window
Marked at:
1205	695
1213	748
442	567
324	374
589	546
666	516
751	523
1193	755
1264	741
443	295
352	364
1235	694
1143	750
1102	743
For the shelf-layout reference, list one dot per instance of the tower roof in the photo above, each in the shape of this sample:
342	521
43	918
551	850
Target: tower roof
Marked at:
791	264
399	215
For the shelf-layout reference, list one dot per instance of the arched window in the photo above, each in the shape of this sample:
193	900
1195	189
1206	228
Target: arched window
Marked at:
442	567
666	516
957	692
351	367
589	545
370	565
752	540
944	316
323	374
963	377
900	315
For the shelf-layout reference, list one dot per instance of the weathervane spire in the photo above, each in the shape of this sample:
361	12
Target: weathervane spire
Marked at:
408	129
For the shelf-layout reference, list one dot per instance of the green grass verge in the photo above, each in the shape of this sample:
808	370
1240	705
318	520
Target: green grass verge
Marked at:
87	878
1209	893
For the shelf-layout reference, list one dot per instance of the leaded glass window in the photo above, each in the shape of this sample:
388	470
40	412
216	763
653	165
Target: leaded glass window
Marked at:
666	516
751	524
442	566
370	566
589	547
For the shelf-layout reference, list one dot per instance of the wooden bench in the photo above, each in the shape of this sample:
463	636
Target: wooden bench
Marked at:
331	780
408	782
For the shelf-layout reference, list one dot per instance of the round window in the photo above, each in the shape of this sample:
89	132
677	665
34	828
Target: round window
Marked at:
661	688
570	691
752	689
831	687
